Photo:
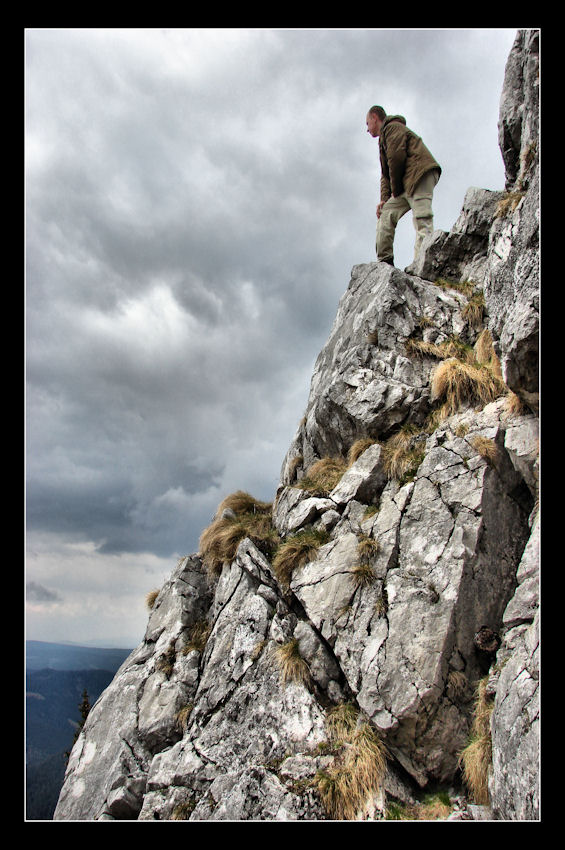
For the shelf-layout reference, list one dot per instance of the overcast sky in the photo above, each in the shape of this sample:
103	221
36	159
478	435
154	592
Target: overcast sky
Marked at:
195	202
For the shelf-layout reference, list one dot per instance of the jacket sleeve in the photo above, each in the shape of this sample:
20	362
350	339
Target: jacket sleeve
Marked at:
395	144
385	188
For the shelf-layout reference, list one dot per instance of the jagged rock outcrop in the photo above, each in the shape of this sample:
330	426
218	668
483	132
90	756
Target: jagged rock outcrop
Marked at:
364	382
326	666
448	546
495	241
513	784
512	285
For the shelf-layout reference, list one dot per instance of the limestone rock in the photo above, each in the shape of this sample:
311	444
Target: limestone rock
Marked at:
364	382
294	509
364	480
445	555
518	124
495	241
514	780
512	292
120	735
461	254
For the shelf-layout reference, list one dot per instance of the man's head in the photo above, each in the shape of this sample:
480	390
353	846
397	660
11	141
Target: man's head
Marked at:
375	117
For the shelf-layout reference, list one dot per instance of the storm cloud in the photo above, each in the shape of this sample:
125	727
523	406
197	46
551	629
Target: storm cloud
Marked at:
195	201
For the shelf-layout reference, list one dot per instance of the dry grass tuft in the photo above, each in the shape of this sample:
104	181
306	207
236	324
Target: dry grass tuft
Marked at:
432	807
219	542
464	384
356	775
197	637
435	418
485	354
323	475
452	347
476	758
421	348
151	598
367	548
455	347
514	405
528	157
465	377
456	684
474	310
241	502
484	350
341	721
166	662
296	551
465	287
358	448
401	457
381	605
293	668
508	204
183	811
183	717
363	575
487	449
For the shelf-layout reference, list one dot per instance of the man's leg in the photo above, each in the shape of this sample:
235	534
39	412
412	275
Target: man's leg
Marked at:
421	203
391	213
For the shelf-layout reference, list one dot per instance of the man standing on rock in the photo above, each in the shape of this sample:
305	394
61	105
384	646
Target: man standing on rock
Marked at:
409	174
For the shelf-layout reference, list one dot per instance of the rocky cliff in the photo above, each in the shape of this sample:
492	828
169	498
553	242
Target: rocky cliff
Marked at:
366	647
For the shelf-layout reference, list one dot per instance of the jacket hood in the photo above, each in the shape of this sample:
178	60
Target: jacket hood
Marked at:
400	118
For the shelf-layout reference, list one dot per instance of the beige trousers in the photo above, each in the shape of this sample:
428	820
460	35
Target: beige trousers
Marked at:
421	205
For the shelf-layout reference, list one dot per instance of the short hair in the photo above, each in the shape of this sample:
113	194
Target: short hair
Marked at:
379	112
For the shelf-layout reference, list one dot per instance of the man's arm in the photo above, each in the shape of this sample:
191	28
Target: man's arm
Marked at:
395	148
385	190
385	182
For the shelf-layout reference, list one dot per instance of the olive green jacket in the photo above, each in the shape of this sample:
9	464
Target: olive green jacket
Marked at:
404	158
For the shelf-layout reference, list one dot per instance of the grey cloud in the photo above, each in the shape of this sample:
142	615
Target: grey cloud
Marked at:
195	203
37	593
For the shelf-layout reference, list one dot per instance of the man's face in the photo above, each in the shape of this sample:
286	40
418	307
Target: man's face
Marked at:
373	124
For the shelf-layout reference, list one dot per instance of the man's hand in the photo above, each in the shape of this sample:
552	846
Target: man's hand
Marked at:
379	209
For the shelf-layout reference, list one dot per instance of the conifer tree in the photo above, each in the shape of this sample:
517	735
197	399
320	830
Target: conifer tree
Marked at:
84	708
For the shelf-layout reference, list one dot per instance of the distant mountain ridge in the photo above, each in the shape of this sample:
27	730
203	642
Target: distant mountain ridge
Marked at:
56	677
61	656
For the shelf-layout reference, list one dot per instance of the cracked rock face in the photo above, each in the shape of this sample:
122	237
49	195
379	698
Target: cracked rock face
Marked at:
364	383
126	767
514	778
221	713
495	241
136	714
219	734
448	546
